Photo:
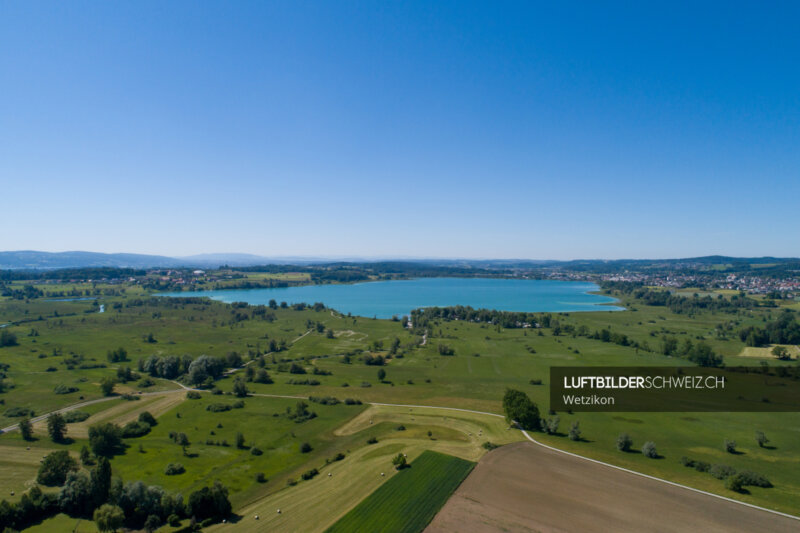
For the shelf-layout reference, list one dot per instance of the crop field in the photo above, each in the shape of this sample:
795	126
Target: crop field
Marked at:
525	487
316	504
408	501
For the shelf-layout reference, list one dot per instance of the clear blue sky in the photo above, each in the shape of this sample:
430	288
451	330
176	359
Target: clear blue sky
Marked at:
425	129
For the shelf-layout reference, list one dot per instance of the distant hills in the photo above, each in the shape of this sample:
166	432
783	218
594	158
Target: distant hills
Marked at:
35	260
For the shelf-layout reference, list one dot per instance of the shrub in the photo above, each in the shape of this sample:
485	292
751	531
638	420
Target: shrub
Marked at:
256	451
624	442
550	426
721	471
372	440
64	389
685	461
309	474
575	431
132	430
261	478
401	427
174	520
734	483
649	450
70	417
351	401
702	466
400	461
305	447
730	446
490	445
174	469
749	477
147	418
19	411
324	400
218	407
193	395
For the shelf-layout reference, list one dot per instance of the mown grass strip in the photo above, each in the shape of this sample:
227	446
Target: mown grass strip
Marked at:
408	501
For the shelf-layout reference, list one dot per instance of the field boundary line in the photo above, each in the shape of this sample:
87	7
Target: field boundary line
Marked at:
753	506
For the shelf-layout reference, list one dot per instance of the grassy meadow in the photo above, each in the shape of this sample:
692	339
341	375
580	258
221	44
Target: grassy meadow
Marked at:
65	343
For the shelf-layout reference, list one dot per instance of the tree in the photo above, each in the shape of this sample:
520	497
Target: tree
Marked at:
381	374
550	426
26	428
105	439
7	338
55	467
239	388
624	442
210	502
519	409
152	523
56	427
400	461
239	440
575	431
101	481
761	439
780	352
262	376
86	456
75	497
147	418
107	386
117	356
183	441
730	446
108	517
703	355
735	483
649	450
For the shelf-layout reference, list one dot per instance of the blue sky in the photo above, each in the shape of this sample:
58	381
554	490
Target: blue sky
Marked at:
388	129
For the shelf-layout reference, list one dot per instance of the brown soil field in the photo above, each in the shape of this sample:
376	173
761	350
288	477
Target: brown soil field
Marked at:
526	487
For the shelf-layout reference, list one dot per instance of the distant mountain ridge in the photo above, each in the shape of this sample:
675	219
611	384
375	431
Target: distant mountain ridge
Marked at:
36	260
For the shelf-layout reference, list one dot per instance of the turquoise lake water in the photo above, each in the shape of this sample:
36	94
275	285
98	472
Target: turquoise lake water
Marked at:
384	299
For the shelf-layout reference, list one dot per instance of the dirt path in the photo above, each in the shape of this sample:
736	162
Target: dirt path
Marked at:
527	487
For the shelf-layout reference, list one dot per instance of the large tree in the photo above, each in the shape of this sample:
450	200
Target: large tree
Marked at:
519	408
108	517
105	439
56	427
55	467
26	429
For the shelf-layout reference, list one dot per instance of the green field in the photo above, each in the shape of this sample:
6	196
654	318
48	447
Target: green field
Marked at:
66	343
409	501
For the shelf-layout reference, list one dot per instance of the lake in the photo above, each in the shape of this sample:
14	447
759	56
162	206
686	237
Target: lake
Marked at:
384	299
